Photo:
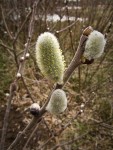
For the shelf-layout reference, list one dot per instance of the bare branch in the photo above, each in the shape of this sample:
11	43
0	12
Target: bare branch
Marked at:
5	124
76	59
9	33
33	122
30	137
20	29
27	90
69	26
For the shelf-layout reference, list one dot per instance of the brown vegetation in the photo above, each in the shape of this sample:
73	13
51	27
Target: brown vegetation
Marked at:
89	127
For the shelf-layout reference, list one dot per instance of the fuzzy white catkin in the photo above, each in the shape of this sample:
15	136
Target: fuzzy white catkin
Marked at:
49	57
95	44
57	103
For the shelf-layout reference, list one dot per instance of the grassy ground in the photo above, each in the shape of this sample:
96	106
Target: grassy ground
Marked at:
92	83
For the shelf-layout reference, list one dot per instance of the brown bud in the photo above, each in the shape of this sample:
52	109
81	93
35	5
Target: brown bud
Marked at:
27	55
22	59
18	75
86	61
34	109
13	87
87	31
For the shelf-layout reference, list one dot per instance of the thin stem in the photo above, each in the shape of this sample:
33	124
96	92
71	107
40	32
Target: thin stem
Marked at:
33	122
30	137
45	143
5	123
28	92
79	78
11	37
20	29
76	59
70	34
69	26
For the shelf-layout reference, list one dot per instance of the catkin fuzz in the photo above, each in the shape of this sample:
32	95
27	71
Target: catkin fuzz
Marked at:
49	57
57	103
95	44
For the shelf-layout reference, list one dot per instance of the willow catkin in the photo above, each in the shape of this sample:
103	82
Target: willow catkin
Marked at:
49	57
57	103
95	44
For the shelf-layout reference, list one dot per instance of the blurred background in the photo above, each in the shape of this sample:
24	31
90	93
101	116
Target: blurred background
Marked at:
94	82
